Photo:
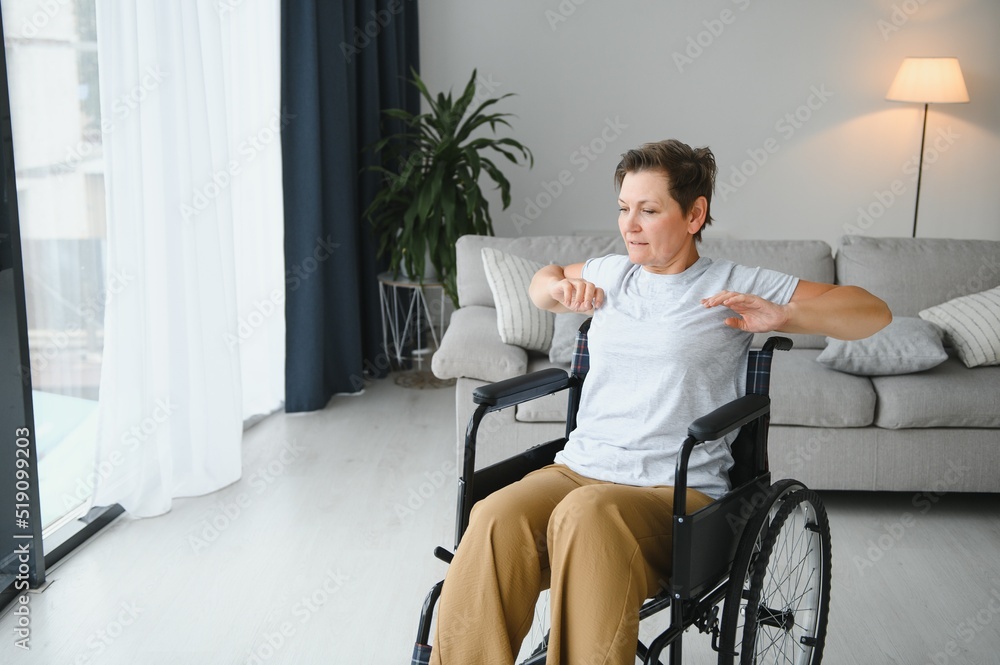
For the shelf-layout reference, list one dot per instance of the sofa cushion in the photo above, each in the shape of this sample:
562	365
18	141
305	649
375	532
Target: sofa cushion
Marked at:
950	395
972	325
472	348
803	392
518	320
906	345
912	274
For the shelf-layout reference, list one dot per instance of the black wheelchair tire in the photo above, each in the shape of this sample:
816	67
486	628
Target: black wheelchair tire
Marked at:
747	551
790	621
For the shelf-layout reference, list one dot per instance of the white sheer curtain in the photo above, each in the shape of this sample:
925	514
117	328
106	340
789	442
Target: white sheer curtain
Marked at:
252	46
182	175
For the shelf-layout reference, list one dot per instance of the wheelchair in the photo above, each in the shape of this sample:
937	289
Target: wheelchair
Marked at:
761	552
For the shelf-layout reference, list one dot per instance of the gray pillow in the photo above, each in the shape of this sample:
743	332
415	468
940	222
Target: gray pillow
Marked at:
906	345
564	336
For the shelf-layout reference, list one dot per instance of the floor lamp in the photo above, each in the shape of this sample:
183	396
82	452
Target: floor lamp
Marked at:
927	81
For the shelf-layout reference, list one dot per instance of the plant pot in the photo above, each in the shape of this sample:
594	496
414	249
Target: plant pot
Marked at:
430	274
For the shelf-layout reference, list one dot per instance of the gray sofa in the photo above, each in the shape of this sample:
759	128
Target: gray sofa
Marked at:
932	431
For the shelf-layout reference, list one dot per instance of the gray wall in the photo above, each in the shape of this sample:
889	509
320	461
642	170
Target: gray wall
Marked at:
594	78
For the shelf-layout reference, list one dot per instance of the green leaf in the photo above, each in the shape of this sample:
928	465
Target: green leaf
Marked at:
463	102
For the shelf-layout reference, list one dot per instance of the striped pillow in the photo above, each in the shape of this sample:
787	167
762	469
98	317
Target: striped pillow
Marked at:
520	323
972	325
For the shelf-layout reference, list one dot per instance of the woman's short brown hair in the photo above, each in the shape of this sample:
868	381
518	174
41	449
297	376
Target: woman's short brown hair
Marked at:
690	171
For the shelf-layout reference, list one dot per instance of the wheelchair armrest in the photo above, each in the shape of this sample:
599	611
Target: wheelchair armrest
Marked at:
777	344
709	428
519	389
729	417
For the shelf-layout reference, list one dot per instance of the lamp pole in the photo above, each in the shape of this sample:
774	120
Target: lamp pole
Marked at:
920	171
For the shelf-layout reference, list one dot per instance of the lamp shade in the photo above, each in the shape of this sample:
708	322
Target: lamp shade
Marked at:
929	81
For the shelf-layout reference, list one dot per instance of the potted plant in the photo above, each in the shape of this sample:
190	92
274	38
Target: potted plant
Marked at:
430	193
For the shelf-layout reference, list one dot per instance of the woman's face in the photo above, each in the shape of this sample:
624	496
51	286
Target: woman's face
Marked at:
658	235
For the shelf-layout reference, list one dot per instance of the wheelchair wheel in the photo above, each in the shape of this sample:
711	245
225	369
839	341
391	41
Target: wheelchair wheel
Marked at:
536	643
788	598
738	590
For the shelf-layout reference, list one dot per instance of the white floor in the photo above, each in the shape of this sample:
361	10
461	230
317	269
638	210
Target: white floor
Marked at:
322	554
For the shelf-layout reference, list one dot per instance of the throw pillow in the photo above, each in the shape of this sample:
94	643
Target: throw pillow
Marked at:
520	323
564	337
972	325
906	345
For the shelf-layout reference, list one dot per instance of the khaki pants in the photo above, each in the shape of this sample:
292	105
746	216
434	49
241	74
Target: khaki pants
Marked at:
603	547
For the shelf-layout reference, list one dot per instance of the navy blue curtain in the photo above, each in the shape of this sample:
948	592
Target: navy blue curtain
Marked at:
342	62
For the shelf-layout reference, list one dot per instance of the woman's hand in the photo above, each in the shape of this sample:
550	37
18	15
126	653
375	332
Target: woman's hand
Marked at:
562	289
576	294
755	314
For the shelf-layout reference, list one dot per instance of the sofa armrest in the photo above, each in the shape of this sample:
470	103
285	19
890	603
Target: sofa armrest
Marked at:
472	348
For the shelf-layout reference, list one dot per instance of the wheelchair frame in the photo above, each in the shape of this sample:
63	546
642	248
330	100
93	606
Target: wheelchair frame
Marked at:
720	552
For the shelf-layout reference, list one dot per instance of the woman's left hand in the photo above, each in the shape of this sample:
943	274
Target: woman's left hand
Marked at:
755	314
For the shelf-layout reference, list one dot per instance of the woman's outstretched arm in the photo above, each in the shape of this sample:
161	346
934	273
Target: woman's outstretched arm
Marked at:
842	312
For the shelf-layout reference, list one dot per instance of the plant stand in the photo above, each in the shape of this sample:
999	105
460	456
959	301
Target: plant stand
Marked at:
405	310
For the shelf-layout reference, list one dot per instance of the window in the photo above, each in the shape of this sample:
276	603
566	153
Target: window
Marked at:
51	50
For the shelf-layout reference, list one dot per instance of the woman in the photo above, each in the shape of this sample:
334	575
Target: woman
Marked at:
668	343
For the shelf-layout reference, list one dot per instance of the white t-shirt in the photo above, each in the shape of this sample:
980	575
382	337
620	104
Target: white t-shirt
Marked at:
659	360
